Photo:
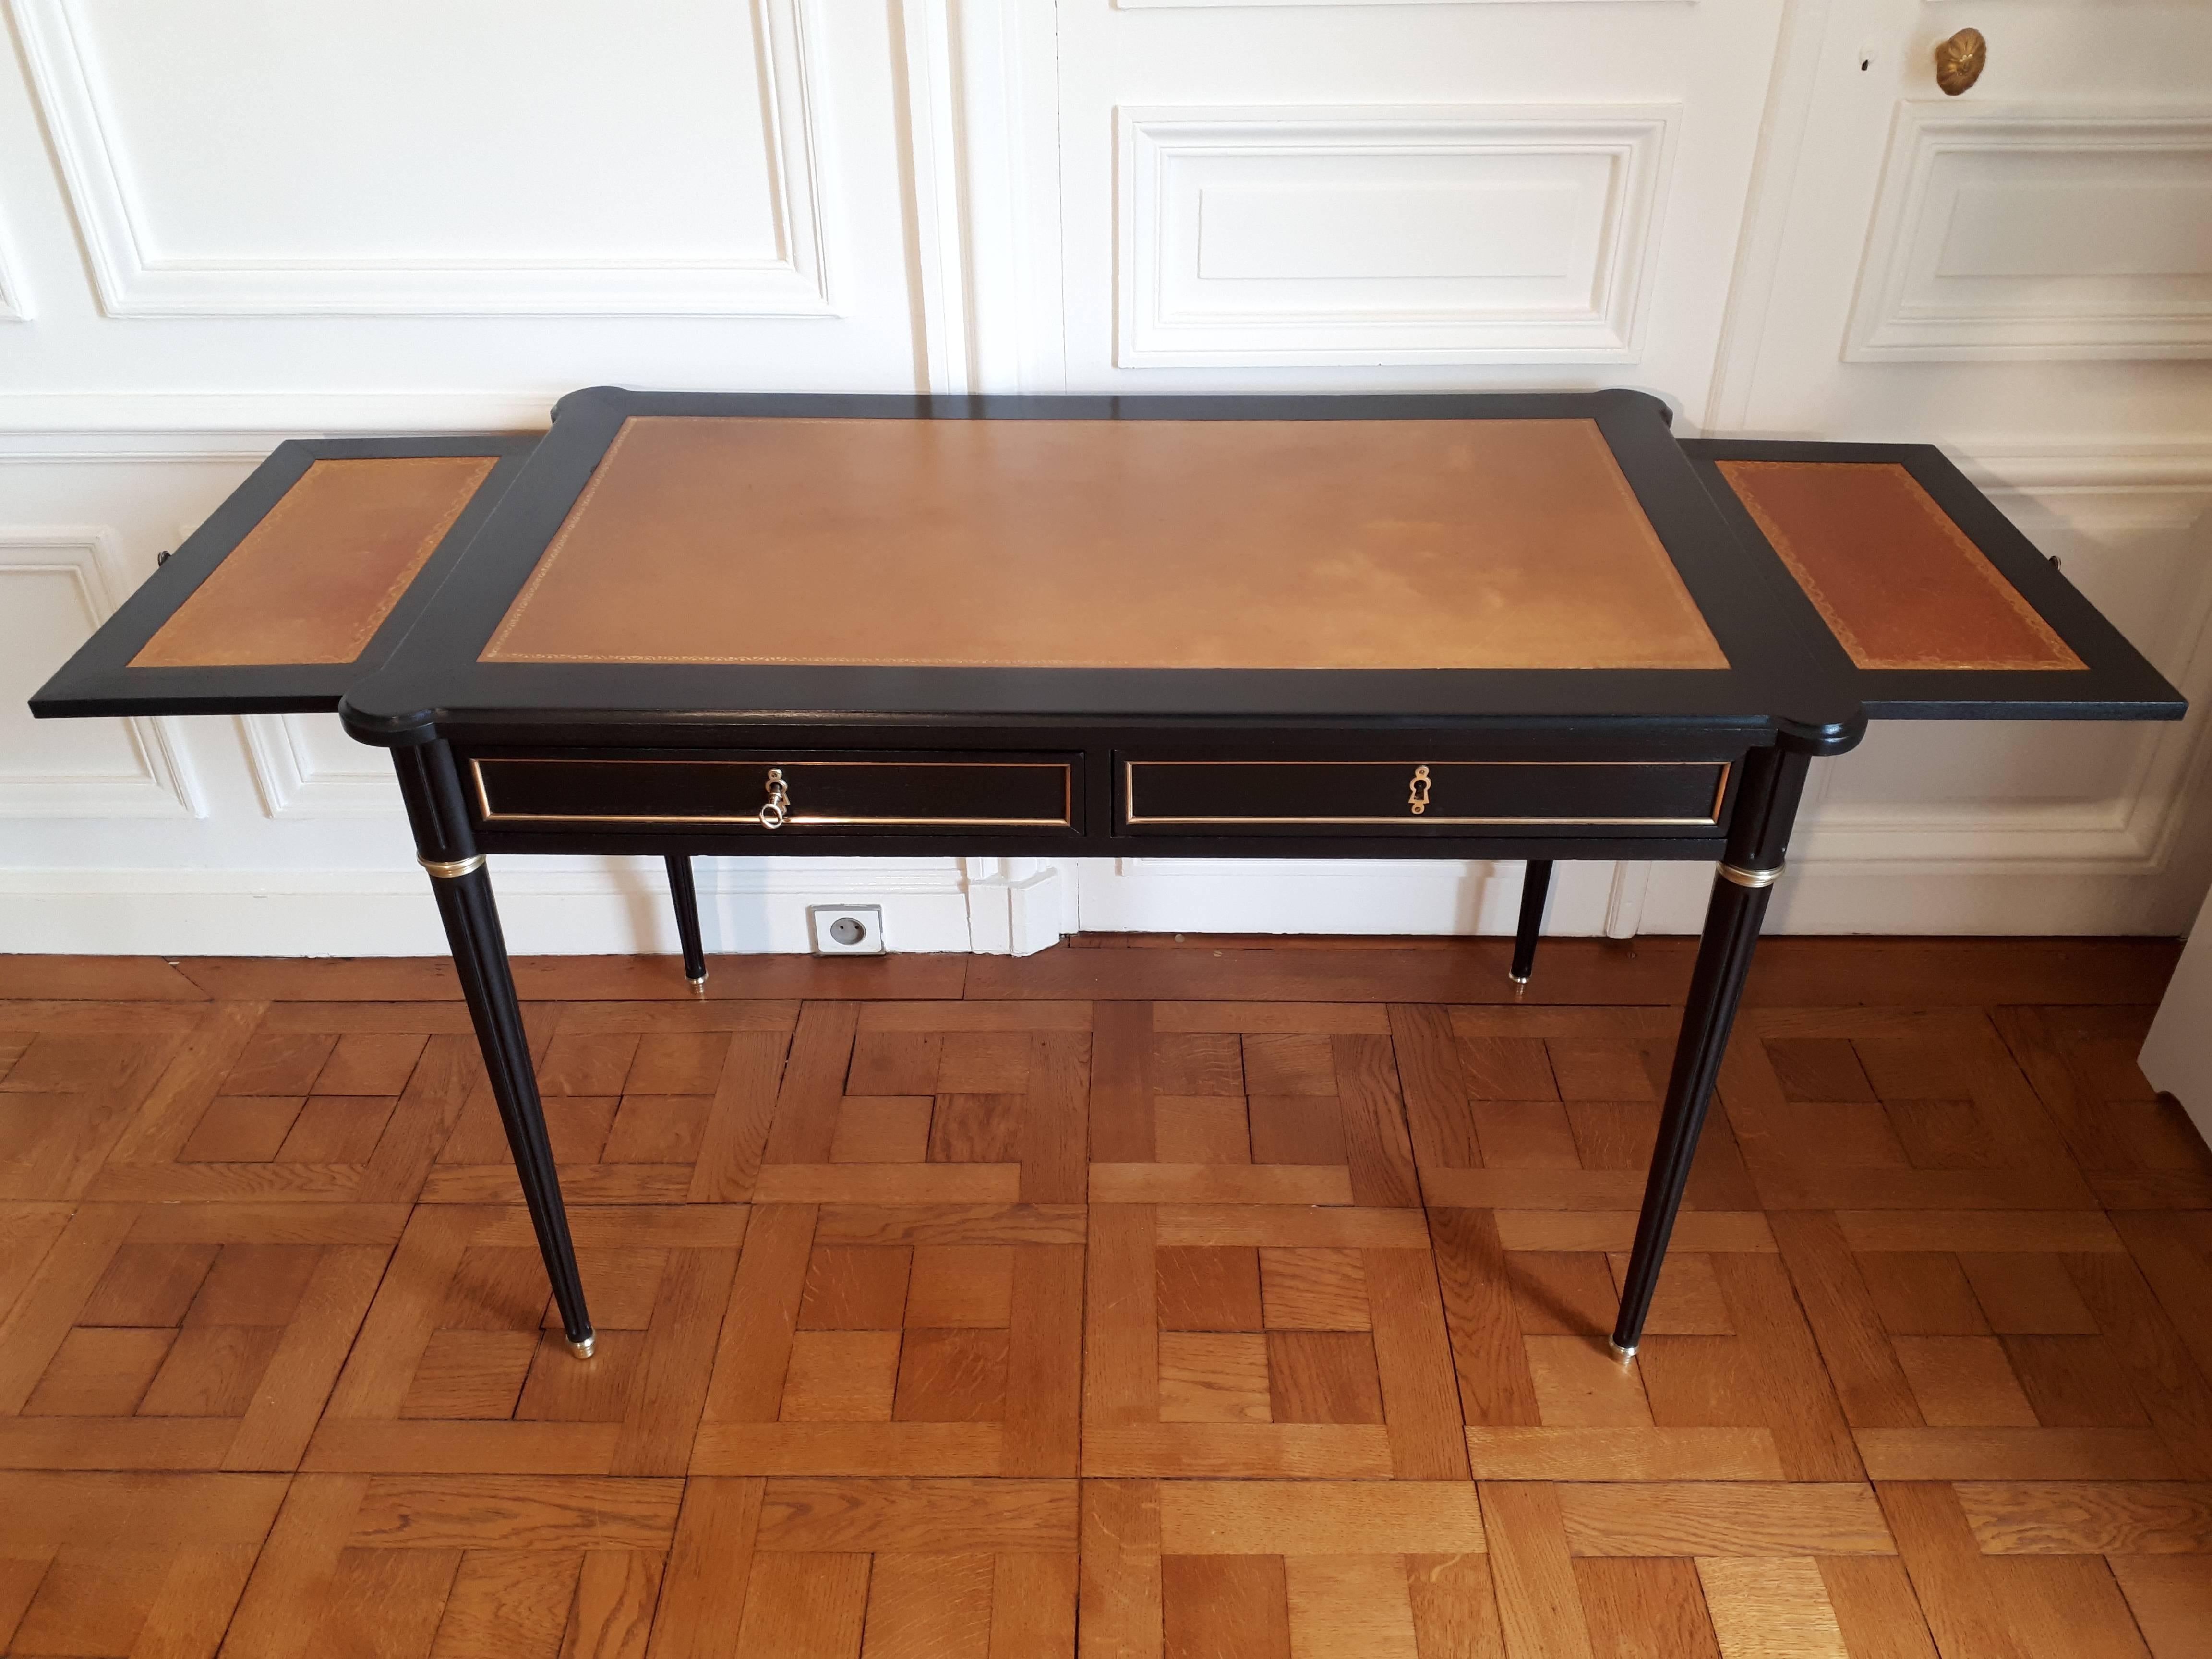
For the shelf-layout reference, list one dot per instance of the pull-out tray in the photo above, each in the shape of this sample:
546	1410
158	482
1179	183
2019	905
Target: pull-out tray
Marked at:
1939	607
302	582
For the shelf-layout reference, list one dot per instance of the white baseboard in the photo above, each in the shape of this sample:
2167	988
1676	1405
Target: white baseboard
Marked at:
571	907
1594	898
620	906
1863	900
1318	896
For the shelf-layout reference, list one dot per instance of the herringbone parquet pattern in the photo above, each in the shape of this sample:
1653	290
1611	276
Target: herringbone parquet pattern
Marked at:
1142	1300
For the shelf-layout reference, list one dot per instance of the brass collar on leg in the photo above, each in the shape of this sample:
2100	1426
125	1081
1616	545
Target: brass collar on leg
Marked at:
446	869
1750	877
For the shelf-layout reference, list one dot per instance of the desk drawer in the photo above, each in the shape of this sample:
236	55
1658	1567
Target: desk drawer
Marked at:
763	793
1413	797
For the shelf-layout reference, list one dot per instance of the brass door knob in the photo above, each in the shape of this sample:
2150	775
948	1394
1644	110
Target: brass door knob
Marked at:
1960	61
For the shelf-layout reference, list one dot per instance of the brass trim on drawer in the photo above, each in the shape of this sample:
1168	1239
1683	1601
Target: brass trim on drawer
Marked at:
1065	821
1132	818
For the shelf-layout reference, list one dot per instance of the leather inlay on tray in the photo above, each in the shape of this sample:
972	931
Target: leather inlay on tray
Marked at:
1108	544
313	581
1899	584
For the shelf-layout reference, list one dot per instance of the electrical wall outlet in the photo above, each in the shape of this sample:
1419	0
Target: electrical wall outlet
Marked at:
846	930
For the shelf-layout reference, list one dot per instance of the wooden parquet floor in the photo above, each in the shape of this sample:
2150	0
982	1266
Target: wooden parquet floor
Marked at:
1198	1301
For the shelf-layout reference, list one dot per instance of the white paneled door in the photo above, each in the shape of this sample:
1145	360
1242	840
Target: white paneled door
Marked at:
232	222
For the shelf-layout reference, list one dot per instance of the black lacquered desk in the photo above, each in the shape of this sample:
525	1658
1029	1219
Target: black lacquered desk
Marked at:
1521	627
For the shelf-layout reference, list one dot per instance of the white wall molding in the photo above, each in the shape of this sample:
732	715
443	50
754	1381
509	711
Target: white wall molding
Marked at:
1017	907
2128	837
936	158
156	781
109	448
1787	118
2117	466
2039	231
192	426
1010	183
135	280
1624	909
13	307
1348	233
968	86
295	781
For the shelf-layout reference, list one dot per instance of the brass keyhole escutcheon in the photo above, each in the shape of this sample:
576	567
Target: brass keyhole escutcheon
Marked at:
1961	60
1418	796
778	809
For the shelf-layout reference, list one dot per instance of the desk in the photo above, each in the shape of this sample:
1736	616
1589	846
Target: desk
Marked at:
1470	626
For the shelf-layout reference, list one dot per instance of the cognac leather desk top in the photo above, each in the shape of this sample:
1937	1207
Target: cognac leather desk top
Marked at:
1108	545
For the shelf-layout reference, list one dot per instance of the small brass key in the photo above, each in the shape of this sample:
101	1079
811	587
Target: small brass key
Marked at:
772	816
1418	797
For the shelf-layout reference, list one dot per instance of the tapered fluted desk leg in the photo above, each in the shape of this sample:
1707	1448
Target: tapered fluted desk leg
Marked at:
446	849
686	898
1535	887
1759	835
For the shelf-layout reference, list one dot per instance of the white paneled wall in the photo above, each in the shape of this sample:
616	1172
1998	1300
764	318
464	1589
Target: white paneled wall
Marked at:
228	223
232	160
58	583
1266	236
2025	231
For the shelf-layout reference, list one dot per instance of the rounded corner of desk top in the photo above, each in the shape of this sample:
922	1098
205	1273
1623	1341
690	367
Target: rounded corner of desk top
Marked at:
311	582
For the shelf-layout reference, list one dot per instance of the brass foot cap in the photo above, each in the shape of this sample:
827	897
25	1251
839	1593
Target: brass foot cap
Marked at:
1518	979
1622	1354
582	1349
698	985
